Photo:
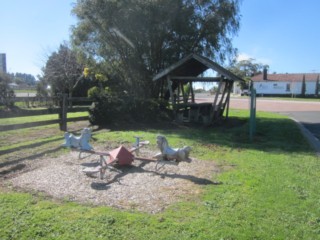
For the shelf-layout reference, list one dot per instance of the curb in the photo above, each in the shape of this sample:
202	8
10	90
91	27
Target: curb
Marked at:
313	141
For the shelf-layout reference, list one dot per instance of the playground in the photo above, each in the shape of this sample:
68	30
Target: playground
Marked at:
147	186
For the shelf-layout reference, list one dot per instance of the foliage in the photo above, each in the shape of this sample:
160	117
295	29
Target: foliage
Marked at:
109	107
246	69
6	94
134	40
43	88
317	88
303	86
186	90
63	72
23	78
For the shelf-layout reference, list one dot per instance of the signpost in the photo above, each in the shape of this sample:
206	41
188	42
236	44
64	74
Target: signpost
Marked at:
252	123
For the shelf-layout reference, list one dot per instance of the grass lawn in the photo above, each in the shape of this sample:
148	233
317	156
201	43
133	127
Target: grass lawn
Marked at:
269	187
29	119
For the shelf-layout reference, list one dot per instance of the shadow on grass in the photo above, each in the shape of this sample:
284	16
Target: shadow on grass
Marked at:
29	157
12	169
29	146
26	152
272	134
278	135
139	169
38	124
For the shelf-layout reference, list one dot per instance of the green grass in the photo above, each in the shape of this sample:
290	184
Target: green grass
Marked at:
38	118
26	91
269	190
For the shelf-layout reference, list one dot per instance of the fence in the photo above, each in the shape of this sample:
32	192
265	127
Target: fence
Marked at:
58	105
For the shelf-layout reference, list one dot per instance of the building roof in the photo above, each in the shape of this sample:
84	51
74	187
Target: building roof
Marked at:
192	66
288	77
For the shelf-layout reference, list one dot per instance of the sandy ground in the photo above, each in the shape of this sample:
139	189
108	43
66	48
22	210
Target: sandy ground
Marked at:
145	186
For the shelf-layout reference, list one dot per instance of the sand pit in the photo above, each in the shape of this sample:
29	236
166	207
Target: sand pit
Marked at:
142	186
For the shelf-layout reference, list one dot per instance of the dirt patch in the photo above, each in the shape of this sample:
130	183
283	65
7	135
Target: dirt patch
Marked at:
145	186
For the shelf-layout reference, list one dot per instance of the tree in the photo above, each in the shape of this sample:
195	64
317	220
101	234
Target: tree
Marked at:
24	78
6	94
303	86
138	38
246	69
63	71
43	88
317	87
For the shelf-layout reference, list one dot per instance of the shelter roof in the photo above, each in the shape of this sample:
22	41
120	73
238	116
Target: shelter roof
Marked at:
192	66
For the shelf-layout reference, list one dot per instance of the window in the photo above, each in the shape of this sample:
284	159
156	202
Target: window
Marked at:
288	87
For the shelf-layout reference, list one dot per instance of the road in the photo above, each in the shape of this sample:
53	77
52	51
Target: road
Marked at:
31	94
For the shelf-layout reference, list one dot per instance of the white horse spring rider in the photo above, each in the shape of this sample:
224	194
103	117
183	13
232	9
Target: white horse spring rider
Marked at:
168	153
81	142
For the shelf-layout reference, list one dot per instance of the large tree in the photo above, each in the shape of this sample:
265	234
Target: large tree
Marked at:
63	71
23	78
139	38
246	69
6	94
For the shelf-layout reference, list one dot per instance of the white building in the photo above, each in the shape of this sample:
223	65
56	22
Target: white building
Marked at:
286	84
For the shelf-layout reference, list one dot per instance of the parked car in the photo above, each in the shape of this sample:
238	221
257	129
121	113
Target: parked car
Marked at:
245	92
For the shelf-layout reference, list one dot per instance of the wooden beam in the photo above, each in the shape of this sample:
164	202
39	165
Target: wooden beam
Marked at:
216	100
228	100
186	79
217	93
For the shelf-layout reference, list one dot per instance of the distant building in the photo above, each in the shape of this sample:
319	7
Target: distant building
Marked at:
286	84
3	63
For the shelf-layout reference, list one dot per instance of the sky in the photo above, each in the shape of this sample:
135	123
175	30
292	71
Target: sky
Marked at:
285	34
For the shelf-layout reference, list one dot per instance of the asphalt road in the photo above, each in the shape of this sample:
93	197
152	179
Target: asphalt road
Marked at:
310	120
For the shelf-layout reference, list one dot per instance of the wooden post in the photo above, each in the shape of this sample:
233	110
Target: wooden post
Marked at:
222	97
192	93
178	97
228	99
253	106
63	112
216	98
170	90
185	99
172	97
28	106
161	88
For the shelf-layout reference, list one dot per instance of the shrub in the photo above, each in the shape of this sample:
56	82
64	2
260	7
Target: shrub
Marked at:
110	107
6	94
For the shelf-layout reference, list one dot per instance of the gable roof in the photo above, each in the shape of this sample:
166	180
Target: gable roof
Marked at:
192	66
288	77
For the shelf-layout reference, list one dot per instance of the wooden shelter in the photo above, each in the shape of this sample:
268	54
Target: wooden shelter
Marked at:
188	71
